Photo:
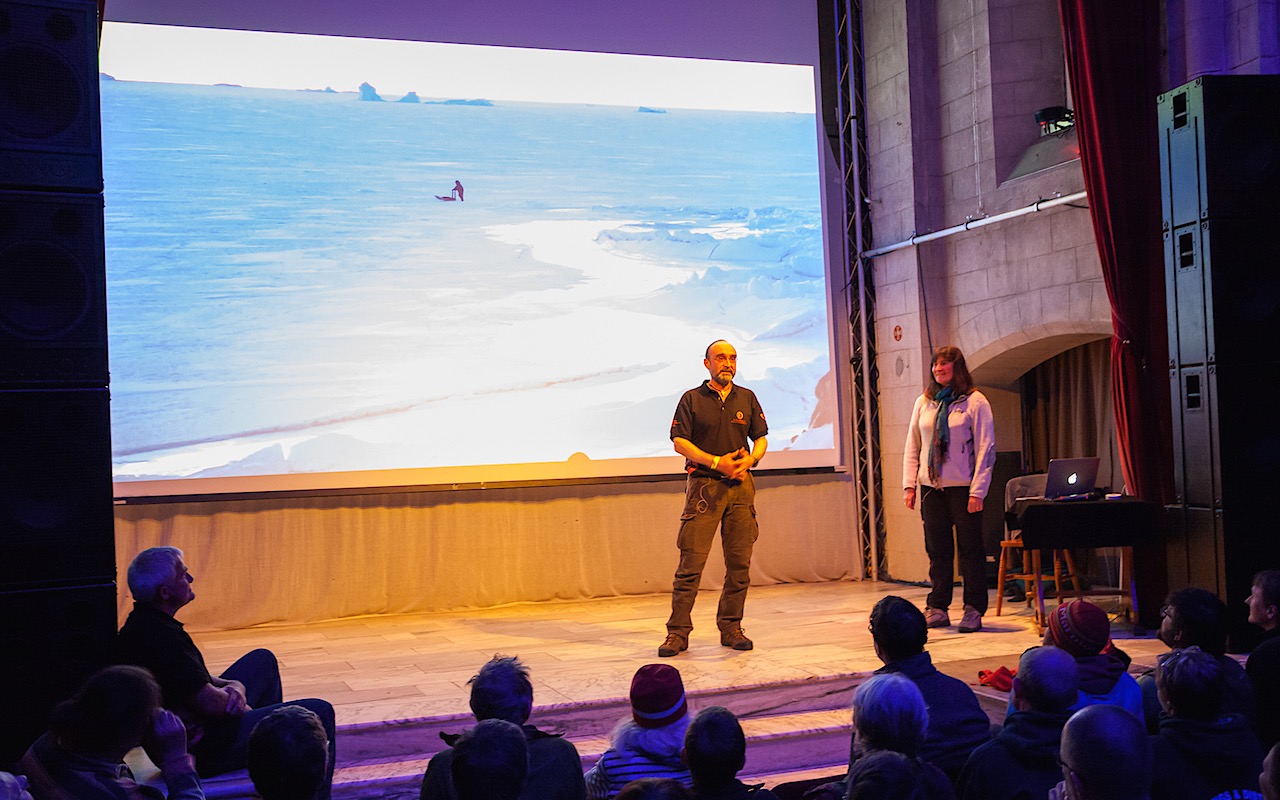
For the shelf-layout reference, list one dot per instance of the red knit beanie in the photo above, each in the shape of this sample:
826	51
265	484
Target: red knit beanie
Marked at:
1080	628
657	696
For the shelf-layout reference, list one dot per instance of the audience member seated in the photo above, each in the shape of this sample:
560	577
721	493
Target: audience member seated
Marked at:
1200	753
1197	618
82	755
13	787
715	750
1022	761
219	712
889	715
502	690
889	775
1263	666
655	789
957	724
1106	755
649	744
1269	779
490	761
289	755
1083	630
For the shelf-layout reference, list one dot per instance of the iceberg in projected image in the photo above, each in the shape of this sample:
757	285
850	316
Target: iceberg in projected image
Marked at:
288	295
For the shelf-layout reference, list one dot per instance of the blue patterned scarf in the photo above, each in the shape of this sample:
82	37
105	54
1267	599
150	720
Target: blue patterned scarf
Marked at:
941	442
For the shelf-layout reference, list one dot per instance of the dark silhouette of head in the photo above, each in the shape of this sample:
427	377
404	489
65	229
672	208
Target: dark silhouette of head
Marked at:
715	748
502	690
1048	680
1189	683
898	629
289	755
1106	755
490	761
886	775
654	789
1195	618
1269	778
110	714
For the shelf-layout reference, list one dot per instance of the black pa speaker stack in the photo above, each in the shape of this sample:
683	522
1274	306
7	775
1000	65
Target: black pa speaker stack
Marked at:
57	548
1220	167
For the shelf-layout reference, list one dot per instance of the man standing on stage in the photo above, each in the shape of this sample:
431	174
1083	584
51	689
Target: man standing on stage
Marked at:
711	429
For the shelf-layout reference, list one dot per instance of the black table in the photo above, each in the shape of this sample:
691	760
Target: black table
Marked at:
1050	524
1069	524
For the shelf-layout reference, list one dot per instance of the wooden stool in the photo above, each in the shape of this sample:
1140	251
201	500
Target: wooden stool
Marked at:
1031	572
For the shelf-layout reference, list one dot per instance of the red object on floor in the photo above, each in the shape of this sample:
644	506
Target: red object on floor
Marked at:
1001	678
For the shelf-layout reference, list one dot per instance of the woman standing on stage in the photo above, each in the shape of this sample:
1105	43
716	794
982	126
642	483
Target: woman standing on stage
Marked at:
950	452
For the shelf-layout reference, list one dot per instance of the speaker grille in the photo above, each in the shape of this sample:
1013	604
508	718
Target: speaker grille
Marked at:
56	516
44	103
50	131
53	318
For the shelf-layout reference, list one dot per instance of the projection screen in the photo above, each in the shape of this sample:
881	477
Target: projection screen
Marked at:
341	261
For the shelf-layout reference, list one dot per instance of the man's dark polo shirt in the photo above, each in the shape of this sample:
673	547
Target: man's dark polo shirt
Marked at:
151	638
717	427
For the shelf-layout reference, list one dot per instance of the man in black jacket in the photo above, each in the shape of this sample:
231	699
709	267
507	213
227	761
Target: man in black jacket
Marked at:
715	750
1200	753
1194	617
502	690
1022	761
957	723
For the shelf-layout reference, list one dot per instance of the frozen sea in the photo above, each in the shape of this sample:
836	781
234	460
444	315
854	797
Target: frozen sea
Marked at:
287	294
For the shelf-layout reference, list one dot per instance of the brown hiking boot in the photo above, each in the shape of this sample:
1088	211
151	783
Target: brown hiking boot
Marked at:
736	638
674	644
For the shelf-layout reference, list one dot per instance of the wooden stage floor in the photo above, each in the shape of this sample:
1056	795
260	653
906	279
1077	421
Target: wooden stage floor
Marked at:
407	667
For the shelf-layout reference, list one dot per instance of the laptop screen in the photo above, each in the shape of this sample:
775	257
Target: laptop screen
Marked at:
1071	476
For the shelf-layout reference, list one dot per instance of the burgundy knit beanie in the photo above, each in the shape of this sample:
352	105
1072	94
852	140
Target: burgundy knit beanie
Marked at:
657	696
1080	628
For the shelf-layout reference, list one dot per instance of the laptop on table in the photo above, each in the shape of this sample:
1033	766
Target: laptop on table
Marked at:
1071	478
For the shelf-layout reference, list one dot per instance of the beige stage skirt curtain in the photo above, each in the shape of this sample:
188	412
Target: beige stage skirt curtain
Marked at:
1069	411
301	560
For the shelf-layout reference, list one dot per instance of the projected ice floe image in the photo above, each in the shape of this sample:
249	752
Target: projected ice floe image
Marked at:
517	263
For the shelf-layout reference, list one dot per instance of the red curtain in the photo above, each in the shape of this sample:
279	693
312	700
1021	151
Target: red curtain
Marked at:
1113	61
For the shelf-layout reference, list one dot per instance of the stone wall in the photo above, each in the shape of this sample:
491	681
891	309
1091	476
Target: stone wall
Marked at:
952	89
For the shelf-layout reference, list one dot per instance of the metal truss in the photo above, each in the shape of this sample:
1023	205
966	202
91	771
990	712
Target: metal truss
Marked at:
844	113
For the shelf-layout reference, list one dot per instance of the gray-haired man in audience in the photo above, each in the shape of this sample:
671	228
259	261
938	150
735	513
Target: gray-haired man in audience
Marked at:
220	712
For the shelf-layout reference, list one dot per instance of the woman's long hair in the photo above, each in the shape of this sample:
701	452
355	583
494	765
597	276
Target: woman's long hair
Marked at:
961	380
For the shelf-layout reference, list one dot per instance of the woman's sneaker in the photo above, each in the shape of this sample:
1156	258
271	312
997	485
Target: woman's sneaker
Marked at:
936	617
971	622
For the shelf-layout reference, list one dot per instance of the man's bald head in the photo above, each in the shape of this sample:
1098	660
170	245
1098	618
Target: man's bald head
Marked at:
1106	754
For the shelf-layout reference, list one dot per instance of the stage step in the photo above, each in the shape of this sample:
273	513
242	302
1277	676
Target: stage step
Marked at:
798	726
795	730
778	744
